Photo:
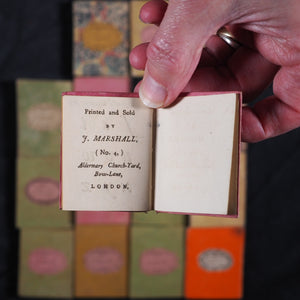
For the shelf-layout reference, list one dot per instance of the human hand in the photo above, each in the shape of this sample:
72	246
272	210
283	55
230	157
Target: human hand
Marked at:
186	55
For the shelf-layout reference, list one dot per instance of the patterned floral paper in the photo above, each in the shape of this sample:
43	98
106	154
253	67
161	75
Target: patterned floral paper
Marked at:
100	38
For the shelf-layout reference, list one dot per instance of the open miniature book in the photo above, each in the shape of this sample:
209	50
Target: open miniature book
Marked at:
119	155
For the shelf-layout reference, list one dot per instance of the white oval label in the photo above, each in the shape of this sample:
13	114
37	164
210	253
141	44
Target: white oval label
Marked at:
44	117
215	260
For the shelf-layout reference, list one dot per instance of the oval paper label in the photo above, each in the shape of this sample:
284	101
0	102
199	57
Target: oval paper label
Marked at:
43	191
47	261
214	260
44	117
103	260
158	261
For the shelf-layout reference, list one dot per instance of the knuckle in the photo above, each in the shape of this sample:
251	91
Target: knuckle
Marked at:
163	54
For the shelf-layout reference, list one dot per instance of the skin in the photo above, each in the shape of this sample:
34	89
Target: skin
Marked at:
186	55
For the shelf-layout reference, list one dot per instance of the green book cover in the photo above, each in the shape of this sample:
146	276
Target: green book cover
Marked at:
46	263
157	258
38	194
153	217
39	116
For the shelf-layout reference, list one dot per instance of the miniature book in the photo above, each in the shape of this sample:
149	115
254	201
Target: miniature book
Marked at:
119	155
214	263
100	38
39	116
101	261
37	194
156	262
46	263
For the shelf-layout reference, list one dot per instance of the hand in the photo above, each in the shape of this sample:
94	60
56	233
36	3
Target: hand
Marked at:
186	55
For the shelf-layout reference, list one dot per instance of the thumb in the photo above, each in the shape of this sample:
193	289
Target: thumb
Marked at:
175	50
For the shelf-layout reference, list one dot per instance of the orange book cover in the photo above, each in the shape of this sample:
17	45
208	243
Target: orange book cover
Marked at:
101	260
214	263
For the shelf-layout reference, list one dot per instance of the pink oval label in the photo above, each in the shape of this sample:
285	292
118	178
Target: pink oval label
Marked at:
47	261
103	260
158	261
44	117
215	260
43	190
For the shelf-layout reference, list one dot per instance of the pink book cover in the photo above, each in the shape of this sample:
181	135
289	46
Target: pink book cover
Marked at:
102	217
184	94
102	84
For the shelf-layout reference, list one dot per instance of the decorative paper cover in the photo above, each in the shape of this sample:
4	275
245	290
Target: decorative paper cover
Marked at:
214	263
101	261
46	263
102	84
154	218
102	217
139	31
240	221
37	193
100	35
39	116
156	261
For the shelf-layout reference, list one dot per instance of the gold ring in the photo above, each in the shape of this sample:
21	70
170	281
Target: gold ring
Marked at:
228	38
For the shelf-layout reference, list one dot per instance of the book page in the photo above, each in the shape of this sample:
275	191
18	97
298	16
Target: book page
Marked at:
106	153
195	143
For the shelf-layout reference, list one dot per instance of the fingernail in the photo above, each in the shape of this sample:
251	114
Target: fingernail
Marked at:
152	93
